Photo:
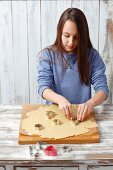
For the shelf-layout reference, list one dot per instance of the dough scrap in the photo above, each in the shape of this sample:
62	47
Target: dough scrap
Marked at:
50	130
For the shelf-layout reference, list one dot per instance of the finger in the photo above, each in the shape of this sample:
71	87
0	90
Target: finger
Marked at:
67	113
63	111
78	111
70	111
79	115
84	114
88	112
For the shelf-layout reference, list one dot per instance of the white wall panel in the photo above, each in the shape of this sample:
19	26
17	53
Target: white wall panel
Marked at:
28	26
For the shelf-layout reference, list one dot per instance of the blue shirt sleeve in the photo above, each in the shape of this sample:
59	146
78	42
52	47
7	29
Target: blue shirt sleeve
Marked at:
98	77
45	73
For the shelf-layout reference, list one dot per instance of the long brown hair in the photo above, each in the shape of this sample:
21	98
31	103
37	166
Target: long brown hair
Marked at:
84	45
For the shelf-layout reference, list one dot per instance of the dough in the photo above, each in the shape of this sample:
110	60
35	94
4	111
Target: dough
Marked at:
58	126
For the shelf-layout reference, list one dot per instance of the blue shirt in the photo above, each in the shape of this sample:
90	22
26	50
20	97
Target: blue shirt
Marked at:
65	81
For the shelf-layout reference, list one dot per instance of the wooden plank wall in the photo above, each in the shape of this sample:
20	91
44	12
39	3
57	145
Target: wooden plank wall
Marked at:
28	26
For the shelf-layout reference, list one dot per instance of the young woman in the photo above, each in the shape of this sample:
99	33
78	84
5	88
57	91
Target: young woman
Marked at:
68	68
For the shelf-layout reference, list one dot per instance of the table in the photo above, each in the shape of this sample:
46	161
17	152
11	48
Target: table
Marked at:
83	156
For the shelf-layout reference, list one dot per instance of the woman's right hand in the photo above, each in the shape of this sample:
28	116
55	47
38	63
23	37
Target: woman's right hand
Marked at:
65	107
64	104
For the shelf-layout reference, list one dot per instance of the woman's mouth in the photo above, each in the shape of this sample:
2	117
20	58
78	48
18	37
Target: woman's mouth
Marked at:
70	47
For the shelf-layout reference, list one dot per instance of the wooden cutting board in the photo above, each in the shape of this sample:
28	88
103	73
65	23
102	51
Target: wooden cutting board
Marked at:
91	137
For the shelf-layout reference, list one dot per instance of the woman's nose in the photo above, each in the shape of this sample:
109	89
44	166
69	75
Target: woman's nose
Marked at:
70	41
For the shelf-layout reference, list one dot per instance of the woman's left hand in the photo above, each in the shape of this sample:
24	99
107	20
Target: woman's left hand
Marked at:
84	110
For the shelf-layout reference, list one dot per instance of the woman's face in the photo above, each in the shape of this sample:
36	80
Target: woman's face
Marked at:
69	36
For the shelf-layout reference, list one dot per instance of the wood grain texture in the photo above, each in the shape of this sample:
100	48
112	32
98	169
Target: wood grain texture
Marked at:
60	7
28	26
34	46
92	154
21	58
48	28
106	41
100	167
6	54
91	11
47	168
91	137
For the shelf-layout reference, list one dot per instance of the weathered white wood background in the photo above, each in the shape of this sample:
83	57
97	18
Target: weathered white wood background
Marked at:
28	26
92	156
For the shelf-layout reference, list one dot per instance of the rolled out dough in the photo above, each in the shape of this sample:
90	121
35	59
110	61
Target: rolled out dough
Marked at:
51	130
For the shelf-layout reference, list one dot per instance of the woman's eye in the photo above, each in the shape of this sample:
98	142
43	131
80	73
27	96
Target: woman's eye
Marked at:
66	36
